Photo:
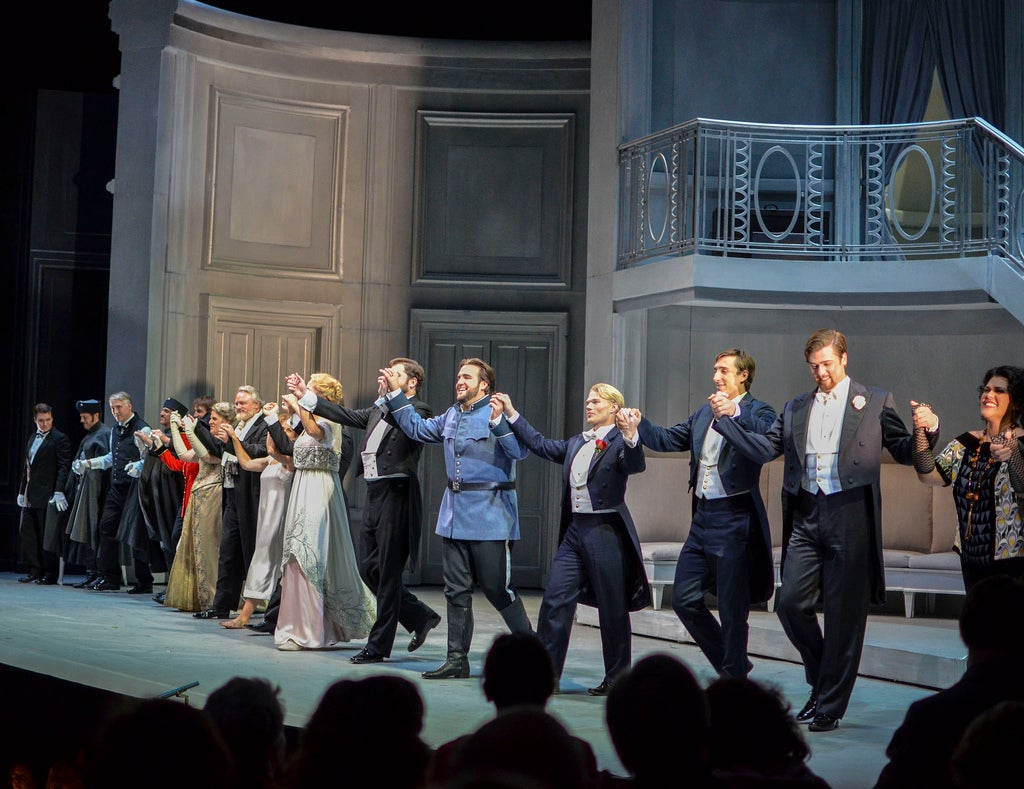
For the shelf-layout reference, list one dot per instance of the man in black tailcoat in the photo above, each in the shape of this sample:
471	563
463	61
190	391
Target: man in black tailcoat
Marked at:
598	561
47	464
392	517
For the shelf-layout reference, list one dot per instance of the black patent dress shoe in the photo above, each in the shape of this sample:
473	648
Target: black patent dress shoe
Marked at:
824	722
262	627
31	578
600	690
810	709
89	580
46	580
452	668
103	585
141	589
366	655
421	634
212	613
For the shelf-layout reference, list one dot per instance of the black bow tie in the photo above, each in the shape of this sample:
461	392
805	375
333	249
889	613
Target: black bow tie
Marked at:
40	434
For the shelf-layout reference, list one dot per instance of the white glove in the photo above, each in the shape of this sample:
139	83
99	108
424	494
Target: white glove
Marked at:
79	466
58	500
175	419
134	469
189	423
22	501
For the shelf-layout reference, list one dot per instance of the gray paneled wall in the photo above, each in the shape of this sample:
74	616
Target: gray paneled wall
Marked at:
936	356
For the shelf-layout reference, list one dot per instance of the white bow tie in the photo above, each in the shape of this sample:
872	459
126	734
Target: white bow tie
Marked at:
589	435
824	397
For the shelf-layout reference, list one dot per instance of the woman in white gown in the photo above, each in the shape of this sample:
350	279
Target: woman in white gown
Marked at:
276	472
323	599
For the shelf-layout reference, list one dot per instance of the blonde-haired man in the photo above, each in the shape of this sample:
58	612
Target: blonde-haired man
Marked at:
598	561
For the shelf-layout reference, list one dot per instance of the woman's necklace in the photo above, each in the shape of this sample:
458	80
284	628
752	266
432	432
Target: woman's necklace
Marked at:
974	475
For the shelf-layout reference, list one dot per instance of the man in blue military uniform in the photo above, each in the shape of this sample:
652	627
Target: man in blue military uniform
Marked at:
479	516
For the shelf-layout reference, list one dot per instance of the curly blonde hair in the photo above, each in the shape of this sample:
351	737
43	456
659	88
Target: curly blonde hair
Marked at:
327	387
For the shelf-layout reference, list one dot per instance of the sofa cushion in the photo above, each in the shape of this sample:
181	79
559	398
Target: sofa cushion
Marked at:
892	558
936	561
661	551
906	510
944	521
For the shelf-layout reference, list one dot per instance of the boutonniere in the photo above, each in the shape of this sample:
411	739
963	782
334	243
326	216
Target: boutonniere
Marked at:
859	402
600	445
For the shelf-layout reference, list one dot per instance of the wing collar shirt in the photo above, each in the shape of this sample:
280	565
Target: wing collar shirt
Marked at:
824	429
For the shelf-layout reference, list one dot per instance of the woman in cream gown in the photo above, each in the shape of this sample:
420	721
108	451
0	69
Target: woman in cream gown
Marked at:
323	599
192	581
276	471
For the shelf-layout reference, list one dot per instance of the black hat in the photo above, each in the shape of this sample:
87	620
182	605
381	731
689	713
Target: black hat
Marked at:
89	406
176	405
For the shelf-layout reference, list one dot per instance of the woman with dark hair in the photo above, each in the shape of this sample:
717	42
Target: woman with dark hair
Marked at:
986	471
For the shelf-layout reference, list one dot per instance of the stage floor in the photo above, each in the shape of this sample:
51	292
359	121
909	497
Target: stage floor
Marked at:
132	646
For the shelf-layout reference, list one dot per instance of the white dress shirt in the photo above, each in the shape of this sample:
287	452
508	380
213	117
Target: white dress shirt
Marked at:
824	429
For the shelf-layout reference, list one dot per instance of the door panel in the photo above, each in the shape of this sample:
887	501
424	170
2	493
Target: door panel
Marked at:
527	351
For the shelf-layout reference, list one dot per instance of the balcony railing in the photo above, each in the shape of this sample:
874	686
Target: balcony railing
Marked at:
927	190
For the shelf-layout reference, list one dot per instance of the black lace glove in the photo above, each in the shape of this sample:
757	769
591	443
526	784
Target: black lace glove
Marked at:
1015	467
924	460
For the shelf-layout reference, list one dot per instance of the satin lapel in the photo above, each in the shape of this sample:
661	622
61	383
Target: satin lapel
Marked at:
599	456
371	424
801	413
700	430
852	418
575	444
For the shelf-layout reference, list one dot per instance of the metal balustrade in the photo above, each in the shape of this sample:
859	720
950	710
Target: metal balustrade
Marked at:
822	192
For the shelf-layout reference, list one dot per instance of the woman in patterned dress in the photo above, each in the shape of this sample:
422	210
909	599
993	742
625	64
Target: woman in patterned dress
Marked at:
192	581
986	471
323	599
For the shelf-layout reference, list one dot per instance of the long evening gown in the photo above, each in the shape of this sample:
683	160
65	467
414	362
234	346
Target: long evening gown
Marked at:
265	567
192	582
323	599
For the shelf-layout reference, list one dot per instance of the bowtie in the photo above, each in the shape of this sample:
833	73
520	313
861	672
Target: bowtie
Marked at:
589	435
40	434
824	397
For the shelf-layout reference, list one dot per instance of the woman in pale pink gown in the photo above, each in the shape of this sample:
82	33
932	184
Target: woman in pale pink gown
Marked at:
323	599
276	473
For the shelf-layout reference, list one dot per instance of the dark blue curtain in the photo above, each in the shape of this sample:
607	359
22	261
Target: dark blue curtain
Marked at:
968	37
898	61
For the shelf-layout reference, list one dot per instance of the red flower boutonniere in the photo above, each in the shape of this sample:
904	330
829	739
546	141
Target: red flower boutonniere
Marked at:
601	445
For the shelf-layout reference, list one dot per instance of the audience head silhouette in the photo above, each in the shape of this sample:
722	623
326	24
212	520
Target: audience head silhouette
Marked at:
988	621
356	731
776	752
658	719
518	670
132	750
983	758
522	746
249	716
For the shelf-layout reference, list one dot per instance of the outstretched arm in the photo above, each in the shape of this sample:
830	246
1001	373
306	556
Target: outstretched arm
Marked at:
662	439
756	447
525	433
